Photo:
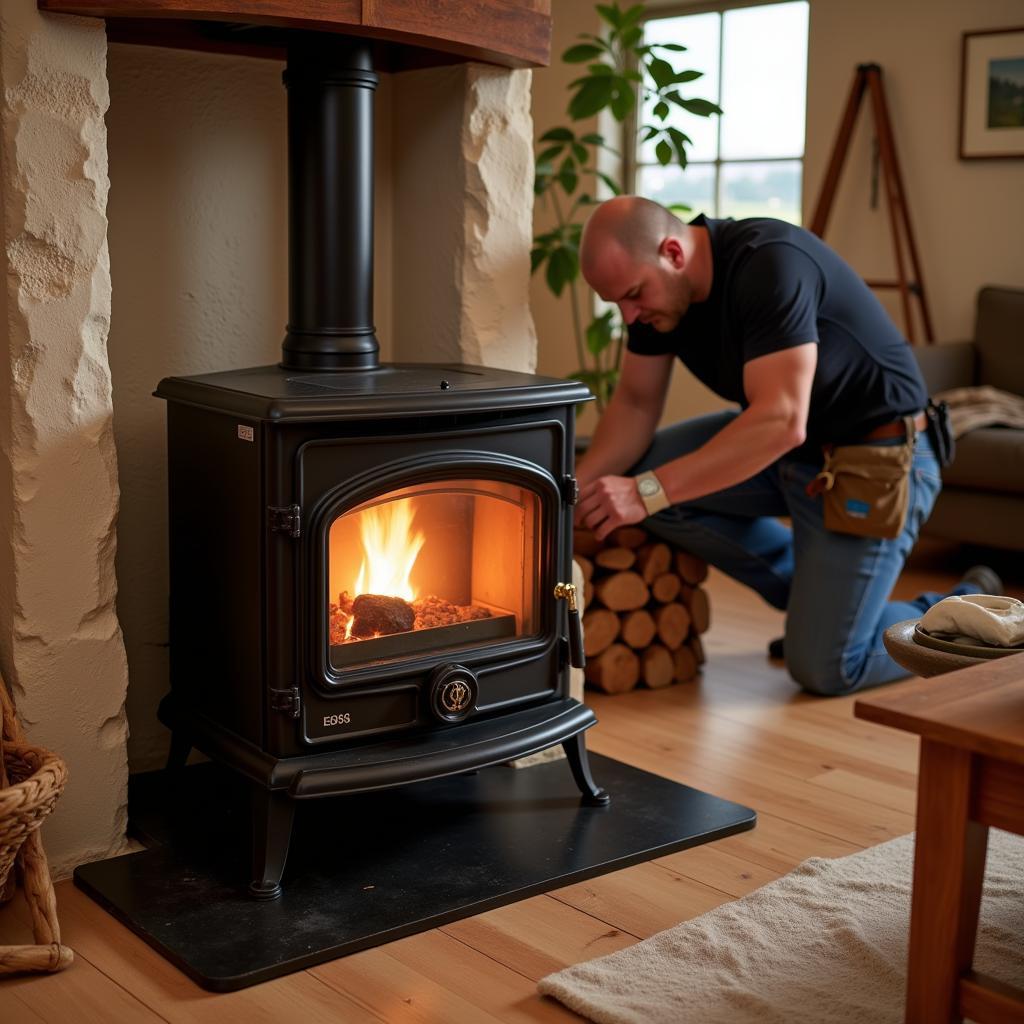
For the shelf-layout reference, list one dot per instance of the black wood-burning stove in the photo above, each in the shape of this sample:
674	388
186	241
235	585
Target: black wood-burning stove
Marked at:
370	564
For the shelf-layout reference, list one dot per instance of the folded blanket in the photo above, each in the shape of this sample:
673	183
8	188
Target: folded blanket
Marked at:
972	408
993	620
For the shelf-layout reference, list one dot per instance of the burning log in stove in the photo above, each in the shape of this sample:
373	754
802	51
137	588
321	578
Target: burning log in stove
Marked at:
372	615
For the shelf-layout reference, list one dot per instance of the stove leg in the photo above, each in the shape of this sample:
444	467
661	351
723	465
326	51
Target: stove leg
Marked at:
272	815
576	751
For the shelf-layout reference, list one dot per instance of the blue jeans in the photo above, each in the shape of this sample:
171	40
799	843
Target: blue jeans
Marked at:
834	587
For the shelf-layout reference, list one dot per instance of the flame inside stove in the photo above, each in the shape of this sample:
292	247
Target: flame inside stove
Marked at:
390	549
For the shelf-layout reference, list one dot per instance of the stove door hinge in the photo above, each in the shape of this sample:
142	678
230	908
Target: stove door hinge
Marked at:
570	490
287	702
285	519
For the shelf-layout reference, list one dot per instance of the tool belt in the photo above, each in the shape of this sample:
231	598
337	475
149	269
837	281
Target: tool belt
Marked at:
865	488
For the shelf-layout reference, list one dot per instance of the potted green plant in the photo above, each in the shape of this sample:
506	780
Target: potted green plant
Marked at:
636	82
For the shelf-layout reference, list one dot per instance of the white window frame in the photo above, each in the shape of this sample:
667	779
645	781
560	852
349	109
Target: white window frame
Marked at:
631	152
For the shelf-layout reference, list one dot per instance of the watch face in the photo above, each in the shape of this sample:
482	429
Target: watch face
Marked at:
648	487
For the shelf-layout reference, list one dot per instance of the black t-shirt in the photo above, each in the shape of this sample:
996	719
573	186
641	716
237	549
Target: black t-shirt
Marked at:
775	286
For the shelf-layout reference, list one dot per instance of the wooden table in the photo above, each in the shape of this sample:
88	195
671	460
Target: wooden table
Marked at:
971	724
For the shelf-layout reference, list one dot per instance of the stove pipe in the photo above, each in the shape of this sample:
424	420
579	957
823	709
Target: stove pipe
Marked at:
330	82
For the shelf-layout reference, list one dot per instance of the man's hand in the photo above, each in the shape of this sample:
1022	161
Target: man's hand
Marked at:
609	502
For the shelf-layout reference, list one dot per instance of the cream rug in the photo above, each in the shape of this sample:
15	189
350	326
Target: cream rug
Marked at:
825	944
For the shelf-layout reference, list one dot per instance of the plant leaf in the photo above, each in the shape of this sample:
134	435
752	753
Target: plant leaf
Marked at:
537	257
599	334
623	100
661	110
580	152
674	47
661	71
546	156
593	95
567	177
592	139
702	108
688	76
633	14
581	52
611	183
563	268
557	135
610	14
663	151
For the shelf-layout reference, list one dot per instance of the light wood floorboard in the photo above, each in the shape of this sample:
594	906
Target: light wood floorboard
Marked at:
823	783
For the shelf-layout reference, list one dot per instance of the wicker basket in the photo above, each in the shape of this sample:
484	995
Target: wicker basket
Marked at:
31	779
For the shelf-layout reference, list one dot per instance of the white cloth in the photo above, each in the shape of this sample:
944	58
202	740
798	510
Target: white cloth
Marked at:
985	406
993	620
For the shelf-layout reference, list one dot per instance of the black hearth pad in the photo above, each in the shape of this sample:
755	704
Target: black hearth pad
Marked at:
364	870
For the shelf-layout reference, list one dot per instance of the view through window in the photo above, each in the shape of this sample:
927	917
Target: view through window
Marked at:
749	161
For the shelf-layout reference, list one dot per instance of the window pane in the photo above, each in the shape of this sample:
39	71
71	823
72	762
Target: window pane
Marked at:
762	190
666	185
764	81
699	33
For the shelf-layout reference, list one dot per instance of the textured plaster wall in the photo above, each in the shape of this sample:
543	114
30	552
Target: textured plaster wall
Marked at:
462	144
197	246
60	643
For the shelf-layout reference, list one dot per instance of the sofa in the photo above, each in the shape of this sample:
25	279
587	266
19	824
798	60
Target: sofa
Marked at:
982	500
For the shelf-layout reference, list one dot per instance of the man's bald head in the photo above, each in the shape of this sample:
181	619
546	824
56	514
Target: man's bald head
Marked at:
635	225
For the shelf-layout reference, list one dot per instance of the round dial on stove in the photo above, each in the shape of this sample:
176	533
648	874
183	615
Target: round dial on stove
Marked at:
453	693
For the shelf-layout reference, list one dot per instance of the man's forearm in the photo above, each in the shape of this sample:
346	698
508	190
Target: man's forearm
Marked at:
622	436
747	445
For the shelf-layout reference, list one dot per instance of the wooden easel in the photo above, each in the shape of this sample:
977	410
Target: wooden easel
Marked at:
869	76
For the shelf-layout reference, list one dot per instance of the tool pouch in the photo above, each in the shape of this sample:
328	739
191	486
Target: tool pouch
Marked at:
865	488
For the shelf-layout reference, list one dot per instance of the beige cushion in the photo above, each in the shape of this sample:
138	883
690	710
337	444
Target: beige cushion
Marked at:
999	336
989	459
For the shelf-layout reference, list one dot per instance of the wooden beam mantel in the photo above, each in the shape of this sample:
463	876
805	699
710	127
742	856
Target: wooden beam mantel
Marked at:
511	33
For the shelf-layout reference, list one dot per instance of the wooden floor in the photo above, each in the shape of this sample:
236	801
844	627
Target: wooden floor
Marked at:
823	783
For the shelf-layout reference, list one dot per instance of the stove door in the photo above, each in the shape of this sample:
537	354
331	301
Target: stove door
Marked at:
434	568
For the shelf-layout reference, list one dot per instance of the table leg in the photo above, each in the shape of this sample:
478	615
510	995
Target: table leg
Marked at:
949	868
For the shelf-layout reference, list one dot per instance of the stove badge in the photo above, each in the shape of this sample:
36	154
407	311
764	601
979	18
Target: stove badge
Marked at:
453	693
455	696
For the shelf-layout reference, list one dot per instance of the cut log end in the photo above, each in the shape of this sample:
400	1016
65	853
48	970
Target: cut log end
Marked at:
692	569
600	629
684	664
673	623
615	558
666	587
615	670
622	591
657	668
638	628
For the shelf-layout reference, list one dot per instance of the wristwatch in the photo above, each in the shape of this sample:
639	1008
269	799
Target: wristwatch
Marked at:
652	494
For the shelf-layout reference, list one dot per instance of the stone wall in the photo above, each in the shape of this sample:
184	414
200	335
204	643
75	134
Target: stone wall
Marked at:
61	650
463	226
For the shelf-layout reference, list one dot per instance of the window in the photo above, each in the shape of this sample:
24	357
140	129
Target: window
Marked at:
749	161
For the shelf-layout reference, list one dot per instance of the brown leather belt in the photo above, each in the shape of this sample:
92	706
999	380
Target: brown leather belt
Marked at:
896	428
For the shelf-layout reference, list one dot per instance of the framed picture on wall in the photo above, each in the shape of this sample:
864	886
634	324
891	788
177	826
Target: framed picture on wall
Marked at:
992	94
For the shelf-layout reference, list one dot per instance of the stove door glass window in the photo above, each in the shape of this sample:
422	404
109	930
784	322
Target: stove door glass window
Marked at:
433	567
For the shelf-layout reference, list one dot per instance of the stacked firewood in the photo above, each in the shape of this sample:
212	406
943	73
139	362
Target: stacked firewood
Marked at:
645	610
